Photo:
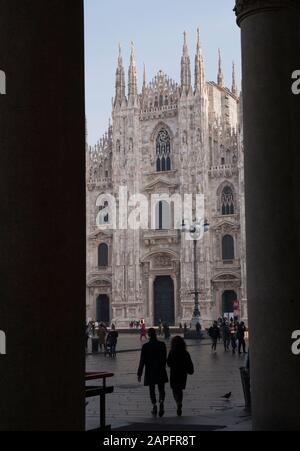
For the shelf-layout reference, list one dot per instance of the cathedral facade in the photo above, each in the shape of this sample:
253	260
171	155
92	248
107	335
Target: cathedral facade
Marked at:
165	142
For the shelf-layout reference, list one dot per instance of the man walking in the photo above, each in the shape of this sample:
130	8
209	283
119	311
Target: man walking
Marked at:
214	333
154	358
241	337
226	335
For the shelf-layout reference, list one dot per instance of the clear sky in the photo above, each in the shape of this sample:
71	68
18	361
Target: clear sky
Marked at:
156	27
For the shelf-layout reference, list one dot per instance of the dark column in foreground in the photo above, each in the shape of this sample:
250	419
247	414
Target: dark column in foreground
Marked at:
270	53
42	225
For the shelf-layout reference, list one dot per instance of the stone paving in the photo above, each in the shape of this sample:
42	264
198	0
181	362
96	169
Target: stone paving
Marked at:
215	375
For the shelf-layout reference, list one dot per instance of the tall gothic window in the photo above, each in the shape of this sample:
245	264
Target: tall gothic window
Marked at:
162	215
103	255
163	151
104	213
228	247
227	201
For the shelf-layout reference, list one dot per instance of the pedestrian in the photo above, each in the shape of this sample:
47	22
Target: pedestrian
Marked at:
143	332
185	328
111	341
233	337
180	364
226	335
101	335
198	329
166	330
87	336
160	328
240	335
214	333
154	359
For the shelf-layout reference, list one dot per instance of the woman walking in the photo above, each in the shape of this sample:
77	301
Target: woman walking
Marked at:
102	336
180	363
143	332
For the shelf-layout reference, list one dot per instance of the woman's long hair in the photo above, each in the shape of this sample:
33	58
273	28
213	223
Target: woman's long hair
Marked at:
178	345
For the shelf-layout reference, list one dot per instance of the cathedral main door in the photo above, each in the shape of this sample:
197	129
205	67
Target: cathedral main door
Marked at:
228	299
164	308
103	315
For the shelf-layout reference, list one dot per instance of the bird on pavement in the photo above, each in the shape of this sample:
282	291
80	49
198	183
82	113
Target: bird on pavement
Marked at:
227	396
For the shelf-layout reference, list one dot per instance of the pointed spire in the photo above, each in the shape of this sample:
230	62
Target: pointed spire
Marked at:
198	41
185	46
186	78
234	86
120	80
120	60
132	75
199	66
145	77
220	72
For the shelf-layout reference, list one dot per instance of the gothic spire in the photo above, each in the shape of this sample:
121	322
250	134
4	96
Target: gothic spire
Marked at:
145	77
132	75
220	72
234	86
120	79
199	66
186	78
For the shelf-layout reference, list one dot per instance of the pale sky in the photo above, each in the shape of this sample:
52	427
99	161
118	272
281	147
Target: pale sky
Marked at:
157	29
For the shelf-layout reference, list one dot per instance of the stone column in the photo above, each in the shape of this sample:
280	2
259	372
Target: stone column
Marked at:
270	33
42	227
150	308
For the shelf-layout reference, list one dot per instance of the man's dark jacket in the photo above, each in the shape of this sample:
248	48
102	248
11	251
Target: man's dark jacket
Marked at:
154	359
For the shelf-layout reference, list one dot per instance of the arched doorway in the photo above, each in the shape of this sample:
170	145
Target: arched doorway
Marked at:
164	308
103	314
228	299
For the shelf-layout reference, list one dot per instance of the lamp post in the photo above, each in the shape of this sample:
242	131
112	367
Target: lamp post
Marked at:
196	233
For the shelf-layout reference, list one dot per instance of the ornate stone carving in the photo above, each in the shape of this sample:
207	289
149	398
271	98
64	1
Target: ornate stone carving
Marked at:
244	8
162	261
227	277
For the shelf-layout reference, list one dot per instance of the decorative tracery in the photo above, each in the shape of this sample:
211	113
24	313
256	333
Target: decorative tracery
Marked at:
227	201
163	151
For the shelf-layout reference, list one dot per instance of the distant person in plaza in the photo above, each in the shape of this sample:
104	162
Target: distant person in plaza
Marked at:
166	330
185	328
198	329
226	335
143	332
92	328
160	328
240	335
111	341
87	336
214	333
233	337
180	363
154	359
102	336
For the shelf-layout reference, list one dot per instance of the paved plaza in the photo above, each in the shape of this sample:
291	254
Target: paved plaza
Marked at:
215	375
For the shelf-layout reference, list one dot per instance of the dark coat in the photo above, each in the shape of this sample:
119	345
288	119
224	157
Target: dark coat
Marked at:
154	359
181	365
241	332
214	333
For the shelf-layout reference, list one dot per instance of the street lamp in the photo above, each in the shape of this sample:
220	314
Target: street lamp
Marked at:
196	234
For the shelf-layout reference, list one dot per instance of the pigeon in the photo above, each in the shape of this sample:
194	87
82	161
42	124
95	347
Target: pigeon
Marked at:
227	396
